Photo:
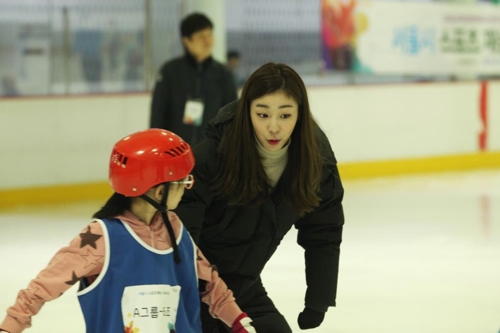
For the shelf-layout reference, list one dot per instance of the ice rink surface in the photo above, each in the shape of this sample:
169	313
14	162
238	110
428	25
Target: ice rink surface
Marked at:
421	254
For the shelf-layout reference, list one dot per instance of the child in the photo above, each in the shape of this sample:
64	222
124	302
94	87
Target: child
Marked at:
137	265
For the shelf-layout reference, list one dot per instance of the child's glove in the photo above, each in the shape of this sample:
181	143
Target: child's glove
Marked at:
310	318
243	324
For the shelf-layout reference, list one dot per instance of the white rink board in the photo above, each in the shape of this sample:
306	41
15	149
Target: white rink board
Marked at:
67	140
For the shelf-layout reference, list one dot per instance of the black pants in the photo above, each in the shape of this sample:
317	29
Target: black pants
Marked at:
252	299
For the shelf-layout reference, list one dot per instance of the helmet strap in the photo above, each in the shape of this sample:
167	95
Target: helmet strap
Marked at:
162	208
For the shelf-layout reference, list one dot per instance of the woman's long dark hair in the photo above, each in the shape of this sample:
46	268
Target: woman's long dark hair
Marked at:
116	205
242	179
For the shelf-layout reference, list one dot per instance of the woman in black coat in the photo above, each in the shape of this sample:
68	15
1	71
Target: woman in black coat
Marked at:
267	166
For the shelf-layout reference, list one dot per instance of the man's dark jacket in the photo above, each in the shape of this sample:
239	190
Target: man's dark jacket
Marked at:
181	79
239	241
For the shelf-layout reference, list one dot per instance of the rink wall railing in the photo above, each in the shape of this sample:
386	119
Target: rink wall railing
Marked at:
56	149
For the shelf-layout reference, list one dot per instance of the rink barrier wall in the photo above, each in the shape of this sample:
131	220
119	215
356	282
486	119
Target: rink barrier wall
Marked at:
465	162
57	148
348	171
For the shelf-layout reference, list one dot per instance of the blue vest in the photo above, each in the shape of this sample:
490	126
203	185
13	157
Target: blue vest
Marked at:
141	287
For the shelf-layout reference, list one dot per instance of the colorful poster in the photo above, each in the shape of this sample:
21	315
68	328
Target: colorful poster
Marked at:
337	32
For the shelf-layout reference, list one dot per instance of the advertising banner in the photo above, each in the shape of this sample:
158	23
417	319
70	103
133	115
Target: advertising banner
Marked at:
411	38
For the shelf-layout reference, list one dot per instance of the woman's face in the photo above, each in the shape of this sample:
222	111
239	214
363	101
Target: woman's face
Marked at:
273	118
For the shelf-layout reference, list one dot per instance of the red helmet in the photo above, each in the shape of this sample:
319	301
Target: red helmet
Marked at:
148	158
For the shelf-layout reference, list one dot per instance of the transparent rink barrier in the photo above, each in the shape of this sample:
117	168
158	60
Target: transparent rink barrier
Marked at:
54	47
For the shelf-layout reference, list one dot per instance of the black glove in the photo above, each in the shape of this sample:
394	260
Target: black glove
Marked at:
310	318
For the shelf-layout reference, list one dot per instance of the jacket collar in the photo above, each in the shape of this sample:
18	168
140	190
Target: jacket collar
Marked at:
194	63
215	127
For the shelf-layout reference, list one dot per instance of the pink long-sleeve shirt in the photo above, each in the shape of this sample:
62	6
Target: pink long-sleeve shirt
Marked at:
84	256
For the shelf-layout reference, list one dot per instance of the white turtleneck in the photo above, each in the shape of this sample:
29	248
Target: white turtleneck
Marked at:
274	162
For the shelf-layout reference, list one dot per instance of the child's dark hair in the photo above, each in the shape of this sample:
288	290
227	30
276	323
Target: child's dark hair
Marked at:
193	23
116	205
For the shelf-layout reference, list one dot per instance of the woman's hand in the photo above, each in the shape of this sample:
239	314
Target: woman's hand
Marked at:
243	324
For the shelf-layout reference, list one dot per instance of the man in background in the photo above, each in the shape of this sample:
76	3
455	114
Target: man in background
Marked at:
88	44
191	89
233	63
